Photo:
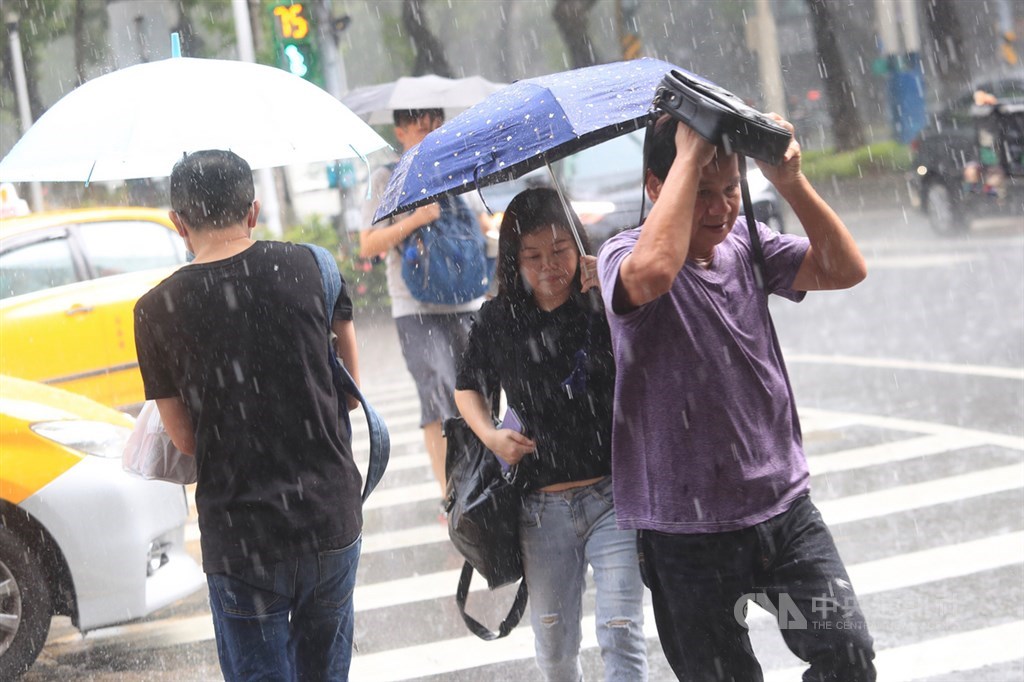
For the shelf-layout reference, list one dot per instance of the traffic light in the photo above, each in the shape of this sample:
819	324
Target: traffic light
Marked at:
295	41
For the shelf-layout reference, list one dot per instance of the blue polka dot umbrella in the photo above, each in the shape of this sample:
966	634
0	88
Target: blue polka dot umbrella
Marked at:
525	126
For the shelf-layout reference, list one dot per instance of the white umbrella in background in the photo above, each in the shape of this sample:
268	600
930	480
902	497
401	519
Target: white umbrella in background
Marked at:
138	121
376	102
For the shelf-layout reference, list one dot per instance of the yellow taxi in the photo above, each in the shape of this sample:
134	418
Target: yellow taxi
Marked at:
79	537
68	285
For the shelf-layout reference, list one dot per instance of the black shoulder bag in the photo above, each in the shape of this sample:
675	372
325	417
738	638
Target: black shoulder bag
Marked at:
483	523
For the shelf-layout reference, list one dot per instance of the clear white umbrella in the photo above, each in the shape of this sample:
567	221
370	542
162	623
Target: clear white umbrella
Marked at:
138	121
376	102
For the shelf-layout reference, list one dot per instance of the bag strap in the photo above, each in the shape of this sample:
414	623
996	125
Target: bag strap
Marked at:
755	238
476	627
380	439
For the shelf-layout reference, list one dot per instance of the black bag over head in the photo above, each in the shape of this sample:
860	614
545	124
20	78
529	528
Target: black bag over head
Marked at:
483	522
721	117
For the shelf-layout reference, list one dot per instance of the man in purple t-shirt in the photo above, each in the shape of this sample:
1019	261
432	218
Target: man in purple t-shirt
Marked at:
707	459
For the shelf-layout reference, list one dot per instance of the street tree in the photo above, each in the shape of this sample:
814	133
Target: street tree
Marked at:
947	47
571	18
847	129
430	56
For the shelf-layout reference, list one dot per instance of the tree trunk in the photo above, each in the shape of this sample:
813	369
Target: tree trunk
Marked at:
847	129
79	40
953	71
430	56
571	18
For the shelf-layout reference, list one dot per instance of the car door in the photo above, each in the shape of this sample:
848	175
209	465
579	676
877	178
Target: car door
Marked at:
68	301
49	332
118	254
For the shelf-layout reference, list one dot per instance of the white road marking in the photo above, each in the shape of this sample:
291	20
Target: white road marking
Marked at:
960	652
886	453
895	363
908	497
406	537
407	494
956	652
920	261
881	575
940	438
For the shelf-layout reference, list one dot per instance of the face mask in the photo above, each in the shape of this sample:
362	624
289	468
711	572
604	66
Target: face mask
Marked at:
189	256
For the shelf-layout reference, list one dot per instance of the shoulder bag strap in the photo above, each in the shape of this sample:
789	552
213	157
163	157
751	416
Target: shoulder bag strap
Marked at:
755	237
476	627
380	439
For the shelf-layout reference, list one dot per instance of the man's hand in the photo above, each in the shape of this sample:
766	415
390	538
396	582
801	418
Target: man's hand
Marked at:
692	148
788	173
510	445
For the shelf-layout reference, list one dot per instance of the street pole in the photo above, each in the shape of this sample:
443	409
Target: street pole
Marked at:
336	83
21	92
247	53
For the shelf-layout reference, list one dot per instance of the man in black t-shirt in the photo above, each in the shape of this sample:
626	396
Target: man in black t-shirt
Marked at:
234	350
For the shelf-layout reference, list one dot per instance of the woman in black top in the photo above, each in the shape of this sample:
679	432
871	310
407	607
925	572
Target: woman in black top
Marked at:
544	340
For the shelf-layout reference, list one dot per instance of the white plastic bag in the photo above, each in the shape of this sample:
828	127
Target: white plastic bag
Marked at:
150	454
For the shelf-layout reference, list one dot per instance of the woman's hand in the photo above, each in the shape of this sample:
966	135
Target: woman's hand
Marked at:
511	446
588	273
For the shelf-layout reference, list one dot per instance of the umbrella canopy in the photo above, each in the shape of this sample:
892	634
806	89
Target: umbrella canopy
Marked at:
376	102
138	121
523	126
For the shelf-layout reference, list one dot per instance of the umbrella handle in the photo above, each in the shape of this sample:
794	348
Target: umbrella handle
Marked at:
566	208
479	190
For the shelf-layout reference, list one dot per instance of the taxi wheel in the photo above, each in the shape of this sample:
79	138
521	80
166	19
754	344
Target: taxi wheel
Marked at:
25	608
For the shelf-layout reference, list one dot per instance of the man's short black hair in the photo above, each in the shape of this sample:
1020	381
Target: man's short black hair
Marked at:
212	189
662	147
404	117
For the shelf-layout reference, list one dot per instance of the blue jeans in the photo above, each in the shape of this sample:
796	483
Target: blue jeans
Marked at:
560	534
291	620
701	585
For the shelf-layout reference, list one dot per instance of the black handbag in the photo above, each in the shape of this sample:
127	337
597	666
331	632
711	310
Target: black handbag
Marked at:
483	523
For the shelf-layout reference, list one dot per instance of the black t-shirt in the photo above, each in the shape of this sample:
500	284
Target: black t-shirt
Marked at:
530	353
244	343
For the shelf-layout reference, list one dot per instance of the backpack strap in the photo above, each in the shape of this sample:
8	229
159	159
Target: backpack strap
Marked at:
380	439
476	627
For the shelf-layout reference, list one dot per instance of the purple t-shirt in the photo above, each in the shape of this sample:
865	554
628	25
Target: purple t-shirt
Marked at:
705	436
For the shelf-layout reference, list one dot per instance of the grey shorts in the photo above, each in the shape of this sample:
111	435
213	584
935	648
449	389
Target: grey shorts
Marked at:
432	346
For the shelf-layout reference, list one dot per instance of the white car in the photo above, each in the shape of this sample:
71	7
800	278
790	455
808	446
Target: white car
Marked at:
78	536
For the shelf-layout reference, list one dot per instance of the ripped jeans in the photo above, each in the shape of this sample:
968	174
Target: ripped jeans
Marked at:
560	534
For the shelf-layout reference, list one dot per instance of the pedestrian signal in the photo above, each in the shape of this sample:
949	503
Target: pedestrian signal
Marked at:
294	40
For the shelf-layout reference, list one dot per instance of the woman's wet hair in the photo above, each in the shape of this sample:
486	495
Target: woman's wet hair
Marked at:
212	189
531	211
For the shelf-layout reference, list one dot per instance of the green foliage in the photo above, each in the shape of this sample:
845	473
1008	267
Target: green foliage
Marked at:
365	279
218	25
872	159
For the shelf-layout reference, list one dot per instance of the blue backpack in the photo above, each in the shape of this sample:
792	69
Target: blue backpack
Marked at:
446	261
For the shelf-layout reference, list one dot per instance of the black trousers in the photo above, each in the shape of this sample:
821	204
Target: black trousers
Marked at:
701	585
